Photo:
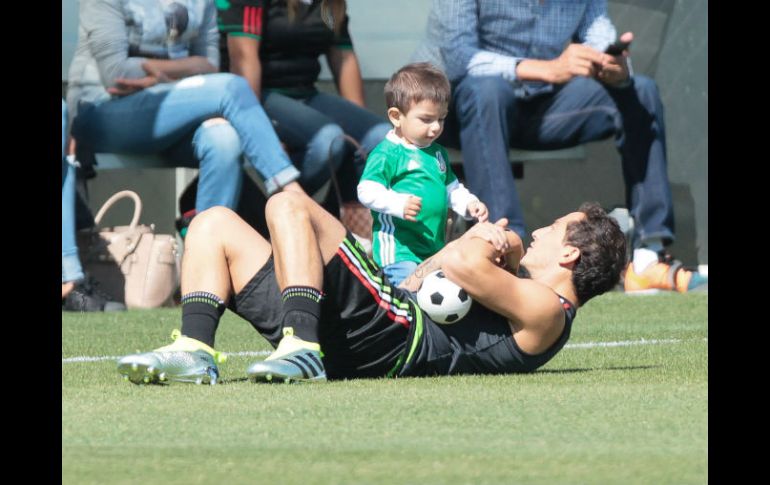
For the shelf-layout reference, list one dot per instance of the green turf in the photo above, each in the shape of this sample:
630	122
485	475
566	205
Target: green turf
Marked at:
626	415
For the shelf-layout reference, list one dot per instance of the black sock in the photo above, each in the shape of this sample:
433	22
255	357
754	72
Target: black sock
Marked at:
201	312
302	311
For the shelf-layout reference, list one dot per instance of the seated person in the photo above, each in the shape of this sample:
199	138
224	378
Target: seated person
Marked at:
276	45
79	293
144	81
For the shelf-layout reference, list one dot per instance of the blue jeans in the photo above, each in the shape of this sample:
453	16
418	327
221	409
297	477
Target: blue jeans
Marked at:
397	272
491	118
171	119
312	129
71	270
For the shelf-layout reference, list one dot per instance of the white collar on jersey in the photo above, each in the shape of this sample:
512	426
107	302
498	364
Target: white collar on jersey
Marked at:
391	136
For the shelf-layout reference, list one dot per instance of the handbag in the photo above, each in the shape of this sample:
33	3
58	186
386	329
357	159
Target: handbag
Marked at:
131	263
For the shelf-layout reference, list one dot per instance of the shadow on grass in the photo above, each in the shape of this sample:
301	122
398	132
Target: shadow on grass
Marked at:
571	371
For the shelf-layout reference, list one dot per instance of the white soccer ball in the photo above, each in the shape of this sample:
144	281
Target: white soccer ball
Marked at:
443	301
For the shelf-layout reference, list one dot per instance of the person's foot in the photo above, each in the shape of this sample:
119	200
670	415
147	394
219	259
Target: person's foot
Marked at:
293	360
666	274
185	360
85	296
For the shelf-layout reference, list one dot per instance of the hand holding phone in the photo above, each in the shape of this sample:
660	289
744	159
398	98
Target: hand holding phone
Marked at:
617	48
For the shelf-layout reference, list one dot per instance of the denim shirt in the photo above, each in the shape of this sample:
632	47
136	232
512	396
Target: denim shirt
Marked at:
490	37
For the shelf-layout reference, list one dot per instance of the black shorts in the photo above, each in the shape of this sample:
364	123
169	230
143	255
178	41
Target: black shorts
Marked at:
365	323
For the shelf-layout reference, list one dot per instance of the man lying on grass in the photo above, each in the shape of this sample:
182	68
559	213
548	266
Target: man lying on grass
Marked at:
316	297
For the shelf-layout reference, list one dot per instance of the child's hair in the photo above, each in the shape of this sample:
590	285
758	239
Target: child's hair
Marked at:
414	83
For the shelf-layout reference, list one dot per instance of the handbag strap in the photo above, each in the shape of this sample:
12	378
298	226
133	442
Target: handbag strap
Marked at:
116	197
333	173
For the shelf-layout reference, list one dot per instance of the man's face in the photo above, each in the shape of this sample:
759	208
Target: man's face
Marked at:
423	123
548	244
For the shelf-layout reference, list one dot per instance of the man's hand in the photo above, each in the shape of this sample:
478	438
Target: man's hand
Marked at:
494	234
124	87
412	208
576	60
478	210
614	70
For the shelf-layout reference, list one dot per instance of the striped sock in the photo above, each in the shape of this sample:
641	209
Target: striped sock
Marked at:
201	312
302	311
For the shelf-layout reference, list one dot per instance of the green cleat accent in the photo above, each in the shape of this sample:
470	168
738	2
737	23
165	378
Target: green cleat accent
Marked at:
185	360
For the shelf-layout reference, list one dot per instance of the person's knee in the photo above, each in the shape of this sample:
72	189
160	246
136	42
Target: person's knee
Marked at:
234	85
208	224
375	135
481	94
646	88
217	137
285	203
328	143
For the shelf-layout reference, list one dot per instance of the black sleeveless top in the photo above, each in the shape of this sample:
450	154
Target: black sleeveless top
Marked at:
480	343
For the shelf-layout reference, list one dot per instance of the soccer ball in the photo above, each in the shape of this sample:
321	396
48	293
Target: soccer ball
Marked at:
442	300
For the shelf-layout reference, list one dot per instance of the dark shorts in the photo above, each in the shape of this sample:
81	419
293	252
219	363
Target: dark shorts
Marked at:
365	322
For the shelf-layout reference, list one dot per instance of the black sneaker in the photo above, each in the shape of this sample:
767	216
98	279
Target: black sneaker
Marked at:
86	297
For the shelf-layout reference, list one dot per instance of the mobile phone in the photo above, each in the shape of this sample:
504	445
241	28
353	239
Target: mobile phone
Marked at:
617	48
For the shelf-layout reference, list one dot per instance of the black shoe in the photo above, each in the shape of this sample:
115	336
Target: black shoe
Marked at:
86	297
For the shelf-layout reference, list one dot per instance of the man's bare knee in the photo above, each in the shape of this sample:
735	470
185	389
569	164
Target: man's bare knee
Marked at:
285	203
209	222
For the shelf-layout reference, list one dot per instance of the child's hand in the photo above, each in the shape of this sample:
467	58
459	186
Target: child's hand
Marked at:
412	208
478	210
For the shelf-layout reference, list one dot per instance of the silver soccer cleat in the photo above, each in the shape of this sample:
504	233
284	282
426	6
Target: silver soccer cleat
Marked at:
185	360
291	361
162	366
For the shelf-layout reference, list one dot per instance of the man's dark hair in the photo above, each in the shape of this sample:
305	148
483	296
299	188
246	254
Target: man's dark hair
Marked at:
414	83
602	248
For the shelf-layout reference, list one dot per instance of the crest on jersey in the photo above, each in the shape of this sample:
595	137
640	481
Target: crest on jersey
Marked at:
441	162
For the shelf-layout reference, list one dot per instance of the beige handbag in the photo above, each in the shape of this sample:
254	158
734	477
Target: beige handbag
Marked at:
131	263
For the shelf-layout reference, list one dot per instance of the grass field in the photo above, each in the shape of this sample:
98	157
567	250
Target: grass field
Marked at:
635	411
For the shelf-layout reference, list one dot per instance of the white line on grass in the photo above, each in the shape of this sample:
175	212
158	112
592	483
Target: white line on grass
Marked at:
622	343
586	345
101	358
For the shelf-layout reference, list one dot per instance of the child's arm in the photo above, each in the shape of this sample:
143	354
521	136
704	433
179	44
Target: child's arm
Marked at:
379	198
466	204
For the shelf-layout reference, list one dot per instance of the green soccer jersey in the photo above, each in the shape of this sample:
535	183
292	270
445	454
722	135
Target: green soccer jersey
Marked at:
407	169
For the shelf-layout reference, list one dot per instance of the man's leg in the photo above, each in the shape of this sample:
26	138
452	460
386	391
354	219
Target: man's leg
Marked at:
484	108
585	110
215	148
222	254
305	238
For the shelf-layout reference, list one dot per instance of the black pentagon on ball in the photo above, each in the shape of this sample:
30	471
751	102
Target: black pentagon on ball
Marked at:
436	298
451	318
440	274
462	295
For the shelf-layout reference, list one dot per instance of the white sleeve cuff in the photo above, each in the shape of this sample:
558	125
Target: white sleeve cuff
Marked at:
379	198
459	198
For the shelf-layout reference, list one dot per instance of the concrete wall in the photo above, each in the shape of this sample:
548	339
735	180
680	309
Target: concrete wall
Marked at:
671	46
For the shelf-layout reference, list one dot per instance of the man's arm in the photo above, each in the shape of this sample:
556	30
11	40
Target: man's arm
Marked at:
244	60
506	247
532	308
459	24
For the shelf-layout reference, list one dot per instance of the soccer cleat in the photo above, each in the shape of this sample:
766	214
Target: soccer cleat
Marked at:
294	360
185	360
663	275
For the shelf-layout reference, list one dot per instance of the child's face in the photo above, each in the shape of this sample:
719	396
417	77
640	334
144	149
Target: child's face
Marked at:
422	124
